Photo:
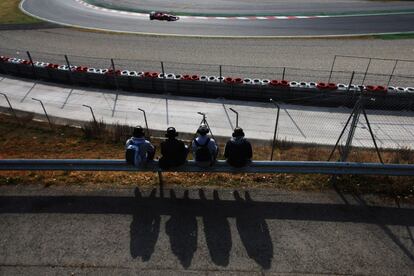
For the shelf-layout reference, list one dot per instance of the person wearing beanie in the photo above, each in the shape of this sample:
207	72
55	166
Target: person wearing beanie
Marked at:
238	150
174	152
204	148
139	151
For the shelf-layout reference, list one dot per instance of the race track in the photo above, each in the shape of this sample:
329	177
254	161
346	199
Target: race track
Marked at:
75	13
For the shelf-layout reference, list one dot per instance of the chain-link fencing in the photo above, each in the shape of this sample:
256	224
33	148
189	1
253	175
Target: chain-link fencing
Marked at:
390	124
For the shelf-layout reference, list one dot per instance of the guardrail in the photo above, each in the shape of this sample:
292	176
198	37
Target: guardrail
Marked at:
303	167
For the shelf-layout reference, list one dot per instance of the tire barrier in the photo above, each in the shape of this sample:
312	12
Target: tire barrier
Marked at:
342	87
238	81
204	78
274	83
322	86
212	79
391	89
228	80
400	89
265	82
380	89
257	82
247	81
206	86
186	77
293	84
332	86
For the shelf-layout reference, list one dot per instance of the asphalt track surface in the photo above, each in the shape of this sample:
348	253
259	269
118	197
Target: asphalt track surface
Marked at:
262	7
79	231
72	13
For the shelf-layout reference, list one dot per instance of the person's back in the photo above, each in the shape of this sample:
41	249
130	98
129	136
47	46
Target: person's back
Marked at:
204	148
138	150
238	151
174	152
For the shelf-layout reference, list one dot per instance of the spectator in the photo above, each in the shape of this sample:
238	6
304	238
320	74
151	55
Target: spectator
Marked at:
238	150
139	151
174	152
204	148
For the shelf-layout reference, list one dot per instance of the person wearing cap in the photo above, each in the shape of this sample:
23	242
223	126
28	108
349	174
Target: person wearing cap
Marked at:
238	150
204	148
145	150
174	152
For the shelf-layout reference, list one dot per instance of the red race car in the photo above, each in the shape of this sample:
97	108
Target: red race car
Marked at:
162	16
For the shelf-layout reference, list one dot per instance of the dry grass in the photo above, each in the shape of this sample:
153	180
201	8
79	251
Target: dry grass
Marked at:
11	14
36	140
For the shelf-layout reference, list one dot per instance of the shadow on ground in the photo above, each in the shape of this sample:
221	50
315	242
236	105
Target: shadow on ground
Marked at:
181	226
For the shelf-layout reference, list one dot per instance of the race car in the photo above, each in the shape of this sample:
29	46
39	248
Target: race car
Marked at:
162	16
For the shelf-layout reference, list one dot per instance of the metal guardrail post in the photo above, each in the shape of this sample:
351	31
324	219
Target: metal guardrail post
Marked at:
44	110
31	62
11	107
276	126
237	116
93	114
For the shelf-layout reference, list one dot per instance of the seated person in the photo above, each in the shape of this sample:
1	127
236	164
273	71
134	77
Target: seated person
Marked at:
238	151
204	148
174	152
139	151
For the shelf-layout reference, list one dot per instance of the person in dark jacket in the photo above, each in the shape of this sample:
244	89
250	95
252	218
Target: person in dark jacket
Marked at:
238	150
174	152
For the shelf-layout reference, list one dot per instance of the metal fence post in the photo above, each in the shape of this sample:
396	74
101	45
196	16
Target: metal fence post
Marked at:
69	68
163	77
220	73
366	71
11	107
44	110
350	82
115	77
146	122
31	62
93	115
237	116
276	126
392	73
332	67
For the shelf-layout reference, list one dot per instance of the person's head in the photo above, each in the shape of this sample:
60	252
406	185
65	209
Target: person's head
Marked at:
138	132
238	132
203	130
171	133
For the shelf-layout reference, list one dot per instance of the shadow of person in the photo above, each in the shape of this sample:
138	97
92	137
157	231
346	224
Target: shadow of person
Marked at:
217	232
145	228
182	231
254	232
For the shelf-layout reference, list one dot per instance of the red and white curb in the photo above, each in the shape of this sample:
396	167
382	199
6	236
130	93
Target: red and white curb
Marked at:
205	17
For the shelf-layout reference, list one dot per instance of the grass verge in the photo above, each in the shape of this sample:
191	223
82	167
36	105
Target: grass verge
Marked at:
36	140
11	14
